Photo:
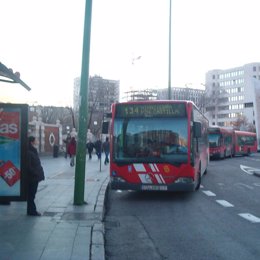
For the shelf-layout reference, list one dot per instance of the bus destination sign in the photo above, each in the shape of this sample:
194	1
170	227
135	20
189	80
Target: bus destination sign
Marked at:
151	110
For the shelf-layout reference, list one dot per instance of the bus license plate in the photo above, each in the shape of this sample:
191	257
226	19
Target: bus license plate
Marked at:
154	187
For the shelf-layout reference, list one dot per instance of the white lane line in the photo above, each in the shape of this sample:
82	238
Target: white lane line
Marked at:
244	185
224	203
250	217
209	193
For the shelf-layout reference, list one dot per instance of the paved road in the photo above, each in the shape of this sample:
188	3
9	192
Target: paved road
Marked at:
220	221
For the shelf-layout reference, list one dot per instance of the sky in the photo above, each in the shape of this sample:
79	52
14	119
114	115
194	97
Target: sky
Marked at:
43	39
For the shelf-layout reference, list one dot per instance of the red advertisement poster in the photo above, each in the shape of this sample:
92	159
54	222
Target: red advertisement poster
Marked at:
9	173
9	124
11	150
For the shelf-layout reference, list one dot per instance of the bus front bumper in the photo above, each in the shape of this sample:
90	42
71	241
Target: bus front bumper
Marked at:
118	184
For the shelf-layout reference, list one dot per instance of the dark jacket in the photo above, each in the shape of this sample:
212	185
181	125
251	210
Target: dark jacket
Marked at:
98	146
106	146
35	170
90	147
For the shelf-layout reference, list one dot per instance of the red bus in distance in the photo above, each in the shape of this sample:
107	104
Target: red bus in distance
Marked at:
245	143
226	142
221	142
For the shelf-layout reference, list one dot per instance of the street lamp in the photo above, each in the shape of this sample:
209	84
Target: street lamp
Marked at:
83	110
95	127
169	79
135	59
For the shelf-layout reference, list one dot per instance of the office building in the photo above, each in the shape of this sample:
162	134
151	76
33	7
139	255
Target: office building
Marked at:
232	94
195	95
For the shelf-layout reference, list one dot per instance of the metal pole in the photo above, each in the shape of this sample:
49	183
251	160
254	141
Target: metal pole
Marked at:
169	80
83	111
100	152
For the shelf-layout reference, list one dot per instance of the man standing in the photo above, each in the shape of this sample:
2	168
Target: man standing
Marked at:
35	175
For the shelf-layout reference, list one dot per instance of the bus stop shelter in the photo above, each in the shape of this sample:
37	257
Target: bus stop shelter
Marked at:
13	159
7	75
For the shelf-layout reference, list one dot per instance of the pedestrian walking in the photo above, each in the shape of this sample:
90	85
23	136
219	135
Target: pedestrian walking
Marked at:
106	147
90	147
98	146
67	142
72	150
35	175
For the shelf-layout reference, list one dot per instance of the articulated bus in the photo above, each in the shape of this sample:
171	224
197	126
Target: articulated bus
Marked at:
158	146
226	142
221	142
245	143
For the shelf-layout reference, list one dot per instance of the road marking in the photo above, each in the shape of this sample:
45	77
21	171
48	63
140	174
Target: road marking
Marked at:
224	203
244	185
248	170
250	217
209	193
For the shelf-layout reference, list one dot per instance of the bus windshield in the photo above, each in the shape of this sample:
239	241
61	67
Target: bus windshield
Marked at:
150	140
214	140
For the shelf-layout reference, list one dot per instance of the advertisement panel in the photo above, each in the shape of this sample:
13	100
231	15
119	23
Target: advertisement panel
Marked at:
13	150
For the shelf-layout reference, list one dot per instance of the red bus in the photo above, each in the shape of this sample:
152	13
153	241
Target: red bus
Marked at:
158	145
221	142
245	143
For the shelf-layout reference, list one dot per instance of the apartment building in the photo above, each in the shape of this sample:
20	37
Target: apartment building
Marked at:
102	93
232	93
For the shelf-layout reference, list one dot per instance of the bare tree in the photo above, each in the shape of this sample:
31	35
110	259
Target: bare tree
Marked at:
241	123
98	96
50	115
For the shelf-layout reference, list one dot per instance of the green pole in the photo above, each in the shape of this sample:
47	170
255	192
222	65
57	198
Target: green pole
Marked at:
169	80
83	111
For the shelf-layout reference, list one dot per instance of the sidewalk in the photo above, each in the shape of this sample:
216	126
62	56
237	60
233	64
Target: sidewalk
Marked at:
64	231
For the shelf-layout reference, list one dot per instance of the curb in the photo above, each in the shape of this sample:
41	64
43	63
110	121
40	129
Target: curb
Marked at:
97	244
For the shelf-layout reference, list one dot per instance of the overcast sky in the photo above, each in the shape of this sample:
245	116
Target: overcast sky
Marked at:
42	39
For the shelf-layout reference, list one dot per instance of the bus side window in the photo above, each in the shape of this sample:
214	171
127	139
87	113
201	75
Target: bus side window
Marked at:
197	129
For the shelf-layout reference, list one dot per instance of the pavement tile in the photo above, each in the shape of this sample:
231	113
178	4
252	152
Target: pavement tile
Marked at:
64	231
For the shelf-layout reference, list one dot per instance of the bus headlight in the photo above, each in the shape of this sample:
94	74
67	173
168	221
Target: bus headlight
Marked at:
117	179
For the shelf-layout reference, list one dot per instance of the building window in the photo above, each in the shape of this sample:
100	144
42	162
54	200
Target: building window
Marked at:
254	68
249	104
